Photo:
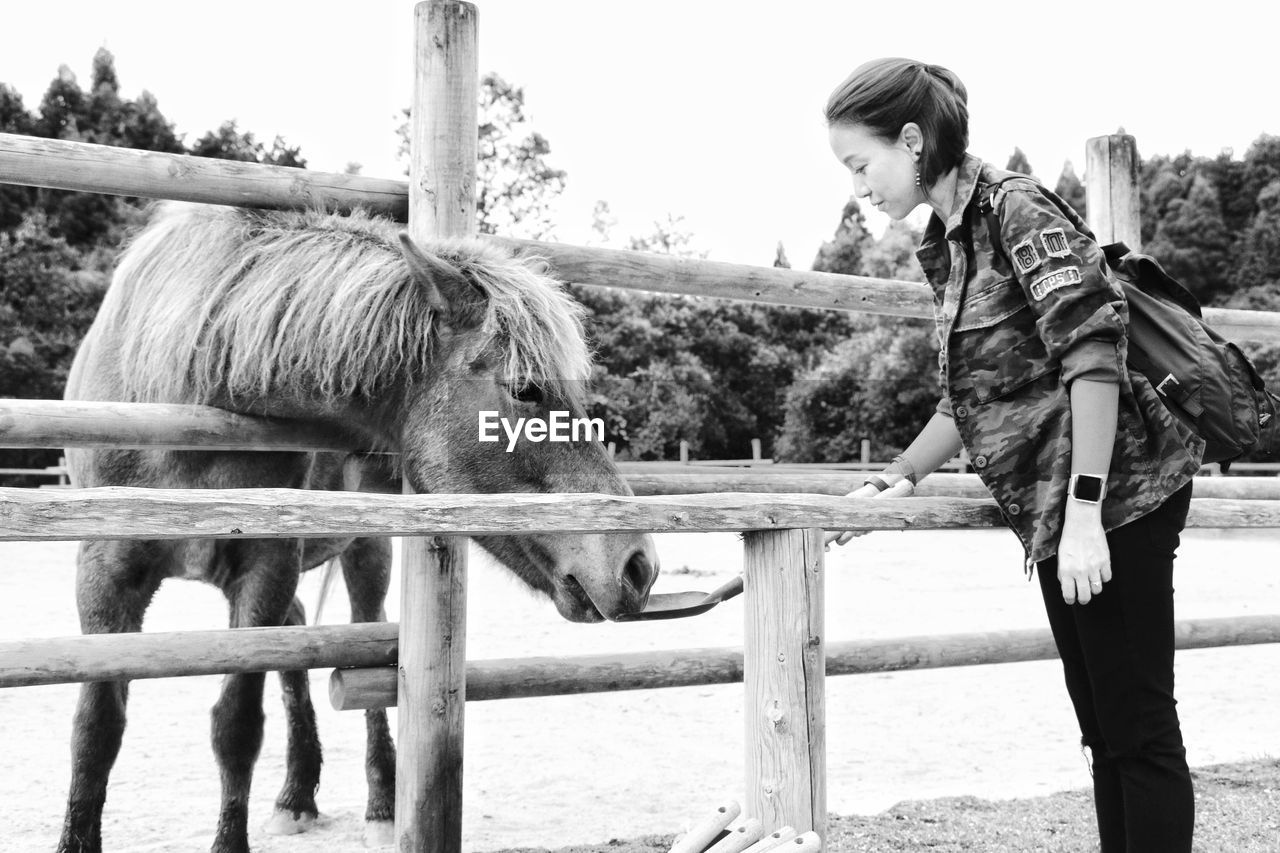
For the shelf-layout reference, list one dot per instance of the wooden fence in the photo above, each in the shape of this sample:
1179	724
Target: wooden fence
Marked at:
782	512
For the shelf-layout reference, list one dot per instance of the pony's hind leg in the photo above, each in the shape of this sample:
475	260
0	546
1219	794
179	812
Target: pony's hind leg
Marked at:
260	590
114	584
296	810
366	570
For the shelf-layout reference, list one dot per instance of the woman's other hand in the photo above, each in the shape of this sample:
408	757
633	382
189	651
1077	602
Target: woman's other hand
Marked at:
1084	560
901	489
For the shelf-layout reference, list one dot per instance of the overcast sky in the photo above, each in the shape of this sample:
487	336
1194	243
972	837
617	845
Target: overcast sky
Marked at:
707	109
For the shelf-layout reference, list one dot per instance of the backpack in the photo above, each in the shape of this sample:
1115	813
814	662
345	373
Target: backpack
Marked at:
1206	381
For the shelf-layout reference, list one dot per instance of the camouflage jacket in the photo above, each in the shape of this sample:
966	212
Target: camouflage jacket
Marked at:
1016	326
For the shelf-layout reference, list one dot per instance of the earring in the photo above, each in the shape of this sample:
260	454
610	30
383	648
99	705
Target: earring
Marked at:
917	177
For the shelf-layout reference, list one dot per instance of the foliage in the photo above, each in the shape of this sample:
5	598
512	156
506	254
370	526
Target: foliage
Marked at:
515	185
1070	189
876	382
710	372
1019	163
228	142
57	247
47	301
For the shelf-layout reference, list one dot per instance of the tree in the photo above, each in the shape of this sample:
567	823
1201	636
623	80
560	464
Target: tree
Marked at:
1256	273
14	118
869	386
1192	243
47	301
229	143
1071	190
843	253
102	117
1019	163
668	237
515	185
780	258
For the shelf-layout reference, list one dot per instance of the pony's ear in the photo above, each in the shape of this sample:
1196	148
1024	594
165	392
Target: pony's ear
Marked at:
448	291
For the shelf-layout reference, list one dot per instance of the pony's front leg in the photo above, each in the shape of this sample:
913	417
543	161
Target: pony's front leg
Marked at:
366	571
114	585
260	590
296	809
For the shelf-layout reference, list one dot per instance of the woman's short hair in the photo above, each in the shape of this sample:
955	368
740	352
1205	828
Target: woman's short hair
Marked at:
885	94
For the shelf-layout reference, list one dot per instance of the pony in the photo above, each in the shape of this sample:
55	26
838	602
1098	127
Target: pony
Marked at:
346	322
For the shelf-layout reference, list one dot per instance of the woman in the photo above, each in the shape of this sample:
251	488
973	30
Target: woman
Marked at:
1085	463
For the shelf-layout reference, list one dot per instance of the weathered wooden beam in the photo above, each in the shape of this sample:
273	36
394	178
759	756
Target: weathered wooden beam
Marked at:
114	657
780	479
632	270
784	671
60	164
522	678
433	598
132	513
81	166
75	423
1112	192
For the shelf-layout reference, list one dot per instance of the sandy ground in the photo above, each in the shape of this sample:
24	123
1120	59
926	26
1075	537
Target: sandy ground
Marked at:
584	769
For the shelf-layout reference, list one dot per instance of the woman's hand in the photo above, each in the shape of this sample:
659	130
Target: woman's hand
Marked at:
1084	560
900	489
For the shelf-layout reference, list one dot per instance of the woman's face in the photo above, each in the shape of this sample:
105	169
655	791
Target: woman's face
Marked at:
884	172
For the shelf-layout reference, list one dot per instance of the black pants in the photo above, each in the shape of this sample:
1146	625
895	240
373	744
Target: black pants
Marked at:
1117	654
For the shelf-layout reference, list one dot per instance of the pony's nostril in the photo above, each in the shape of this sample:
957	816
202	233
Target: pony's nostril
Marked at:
638	573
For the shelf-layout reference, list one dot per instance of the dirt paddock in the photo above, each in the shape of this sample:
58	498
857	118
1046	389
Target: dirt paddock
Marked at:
584	769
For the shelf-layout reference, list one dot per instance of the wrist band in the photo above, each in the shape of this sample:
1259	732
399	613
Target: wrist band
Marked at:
877	481
908	470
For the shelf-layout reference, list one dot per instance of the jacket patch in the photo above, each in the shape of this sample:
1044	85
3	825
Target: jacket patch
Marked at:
1055	242
1045	285
1025	257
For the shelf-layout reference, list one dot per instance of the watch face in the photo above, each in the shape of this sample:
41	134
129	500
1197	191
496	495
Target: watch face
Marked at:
1087	488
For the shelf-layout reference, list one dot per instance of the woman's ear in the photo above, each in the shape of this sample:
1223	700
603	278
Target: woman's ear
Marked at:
912	138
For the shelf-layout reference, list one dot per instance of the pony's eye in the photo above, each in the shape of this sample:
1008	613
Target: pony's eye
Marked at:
525	392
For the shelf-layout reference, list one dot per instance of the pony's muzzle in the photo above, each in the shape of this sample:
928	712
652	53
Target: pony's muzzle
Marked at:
637	578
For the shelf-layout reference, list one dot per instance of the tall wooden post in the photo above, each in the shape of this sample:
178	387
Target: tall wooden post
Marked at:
433	602
784	666
1111	189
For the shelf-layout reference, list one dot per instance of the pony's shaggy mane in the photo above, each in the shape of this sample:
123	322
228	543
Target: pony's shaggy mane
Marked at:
218	303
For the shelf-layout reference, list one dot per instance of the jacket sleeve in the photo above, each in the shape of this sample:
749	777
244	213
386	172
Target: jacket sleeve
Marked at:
1080	313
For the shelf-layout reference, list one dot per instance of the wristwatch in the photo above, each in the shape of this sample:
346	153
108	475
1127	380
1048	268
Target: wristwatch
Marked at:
1087	488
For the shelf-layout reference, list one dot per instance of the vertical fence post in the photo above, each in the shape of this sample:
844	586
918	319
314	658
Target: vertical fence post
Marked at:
433	628
1111	189
784	668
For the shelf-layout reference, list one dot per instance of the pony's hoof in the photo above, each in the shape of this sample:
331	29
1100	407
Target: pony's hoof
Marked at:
284	822
379	833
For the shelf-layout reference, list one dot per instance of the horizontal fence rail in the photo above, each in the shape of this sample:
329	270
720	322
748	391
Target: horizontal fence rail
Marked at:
57	423
110	657
373	647
63	165
60	164
520	678
73	423
133	513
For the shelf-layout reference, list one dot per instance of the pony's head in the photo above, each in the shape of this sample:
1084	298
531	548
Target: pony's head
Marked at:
502	410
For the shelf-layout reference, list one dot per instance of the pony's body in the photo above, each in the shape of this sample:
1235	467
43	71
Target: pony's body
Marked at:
326	319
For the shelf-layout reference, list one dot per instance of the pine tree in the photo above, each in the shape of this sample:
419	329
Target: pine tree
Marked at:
229	143
1193	244
1071	190
843	253
14	118
1019	163
1256	273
